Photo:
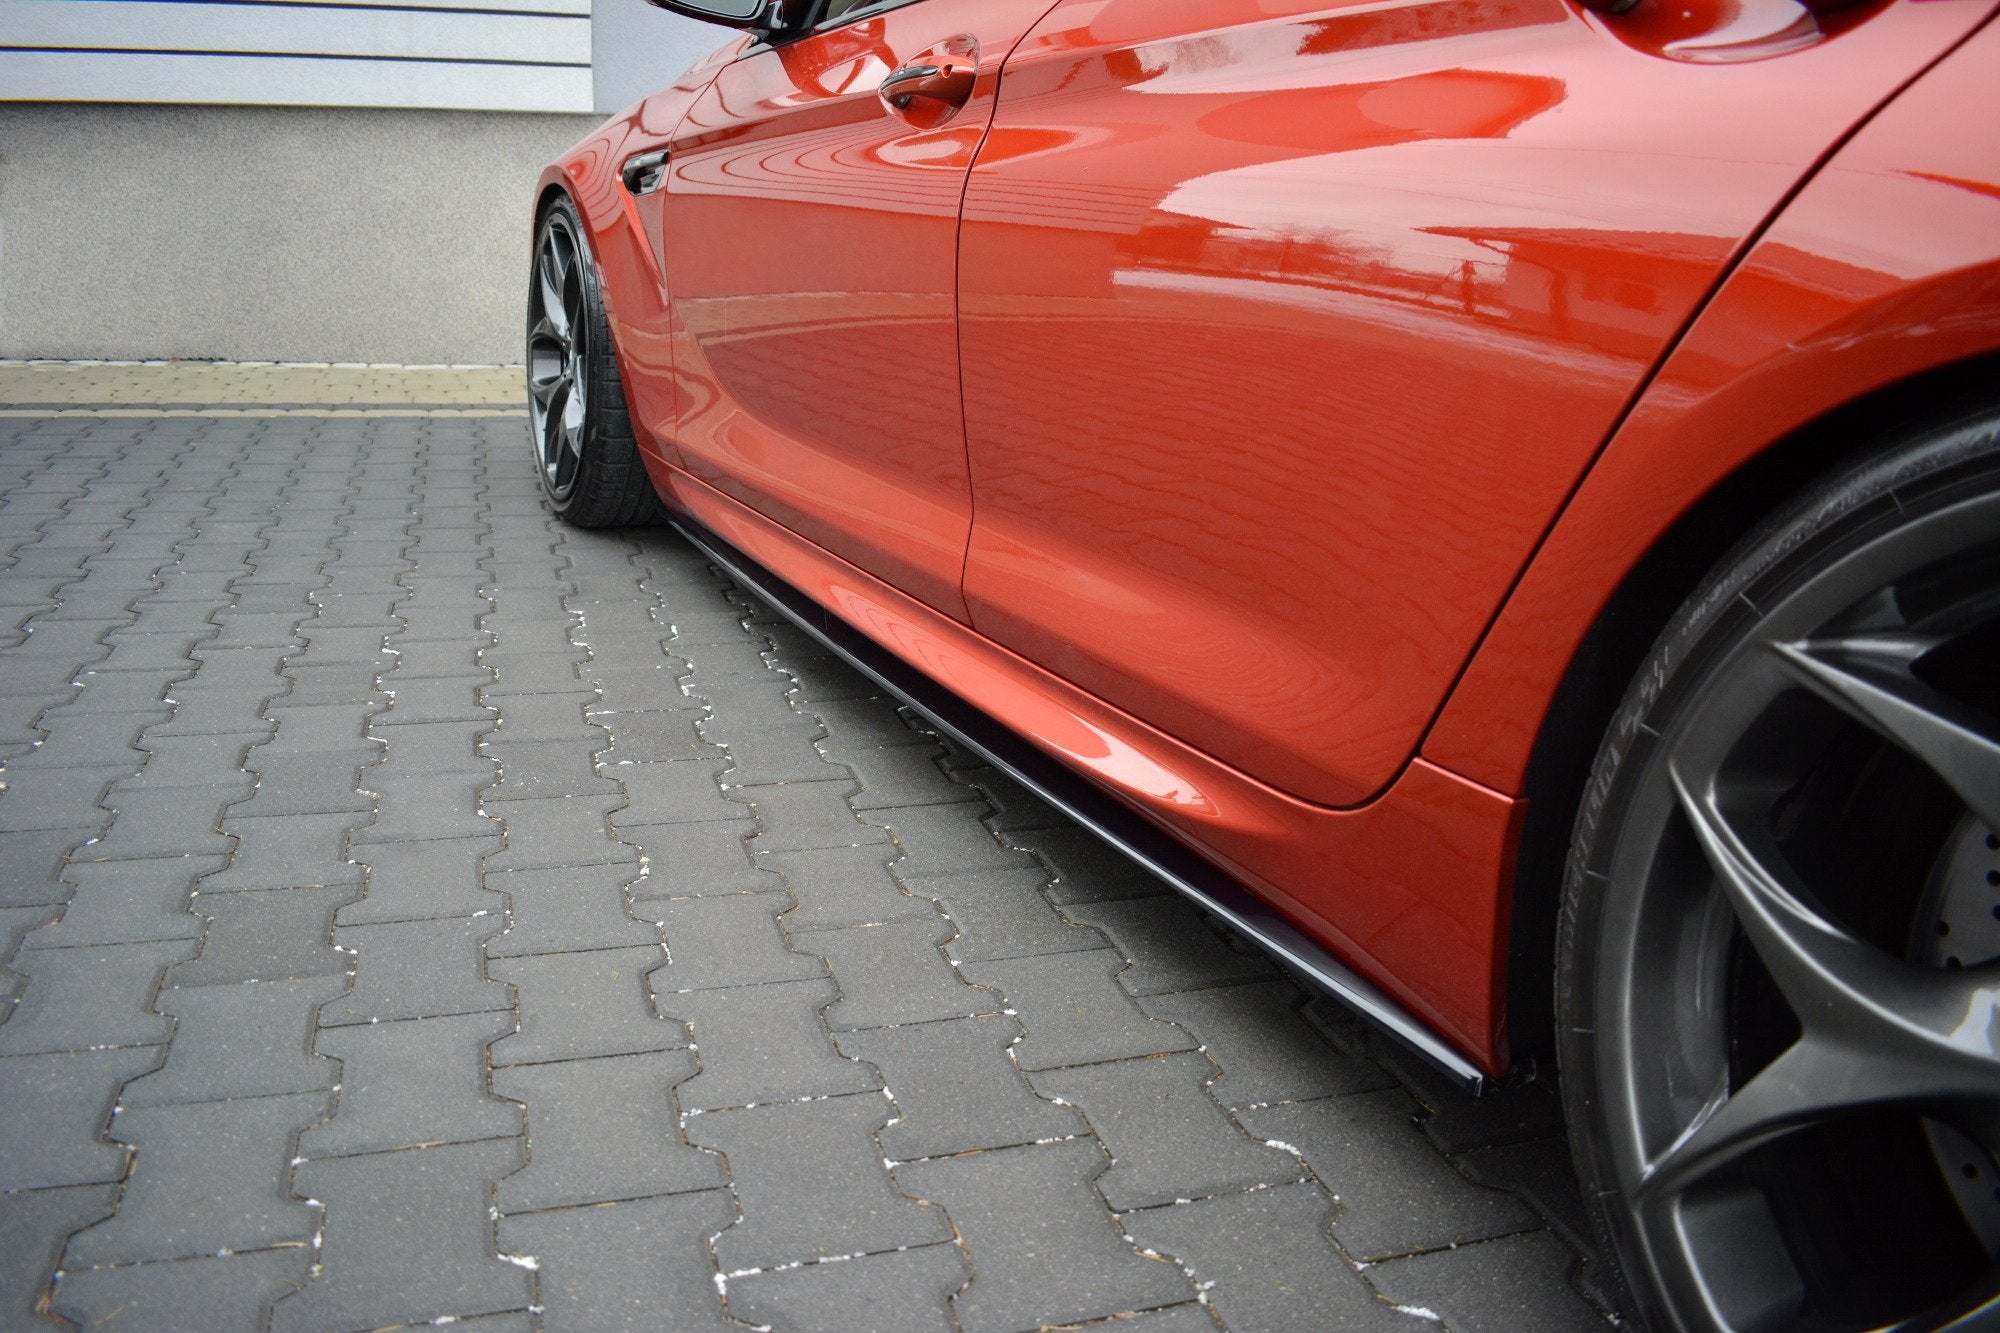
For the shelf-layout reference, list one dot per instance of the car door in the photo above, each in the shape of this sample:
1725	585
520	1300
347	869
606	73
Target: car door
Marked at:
810	243
1288	325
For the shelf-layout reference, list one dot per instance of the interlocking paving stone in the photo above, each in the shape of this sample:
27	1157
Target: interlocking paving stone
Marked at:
1014	808
308	784
1397	1196
422	806
803	816
956	1088
578	1005
206	1176
31	867
768	752
288	852
1167	1137
341	608
60	798
36	1223
561	911
868	721
1513	1283
77	999
182	1295
899	1292
418	969
559	832
436	747
601	1130
1085	870
894	974
238	1041
531	673
673	793
1510	1115
86	740
168	821
201	712
412	1083
16	922
1171	945
271	935
1192	1317
1042	1249
547	768
422	881
1003	914
124	902
844	886
1263	1257
653	735
852	1208
1267	1051
408	1240
639	1265
944	839
544	717
728	940
1070	1005
896	776
431	699
763	1044
697	860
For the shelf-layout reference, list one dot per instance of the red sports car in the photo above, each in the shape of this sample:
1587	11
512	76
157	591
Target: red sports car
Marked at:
1497	499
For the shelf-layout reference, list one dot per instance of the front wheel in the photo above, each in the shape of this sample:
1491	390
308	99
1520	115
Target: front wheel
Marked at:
1778	971
584	450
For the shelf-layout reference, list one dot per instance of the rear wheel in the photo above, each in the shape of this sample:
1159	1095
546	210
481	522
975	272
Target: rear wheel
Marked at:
1778	971
584	450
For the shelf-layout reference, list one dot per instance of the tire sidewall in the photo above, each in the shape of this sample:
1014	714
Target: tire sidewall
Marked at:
597	344
1852	507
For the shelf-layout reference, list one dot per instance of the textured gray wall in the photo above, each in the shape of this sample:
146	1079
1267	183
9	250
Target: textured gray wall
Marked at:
638	49
268	233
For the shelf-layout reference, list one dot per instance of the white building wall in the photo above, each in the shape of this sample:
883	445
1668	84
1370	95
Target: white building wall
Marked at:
317	181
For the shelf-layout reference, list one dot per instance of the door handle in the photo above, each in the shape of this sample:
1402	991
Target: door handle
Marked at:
643	172
948	81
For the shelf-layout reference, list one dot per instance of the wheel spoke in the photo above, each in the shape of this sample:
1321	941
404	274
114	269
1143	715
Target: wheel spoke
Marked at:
573	417
1805	1085
1870	680
548	272
1877	1031
552	426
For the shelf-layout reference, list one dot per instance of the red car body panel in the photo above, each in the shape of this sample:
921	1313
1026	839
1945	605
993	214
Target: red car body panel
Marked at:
625	235
1286	335
1410	889
1886	266
1243	627
818	366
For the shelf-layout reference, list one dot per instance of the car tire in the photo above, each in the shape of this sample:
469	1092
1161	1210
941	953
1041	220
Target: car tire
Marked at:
585	452
1778	952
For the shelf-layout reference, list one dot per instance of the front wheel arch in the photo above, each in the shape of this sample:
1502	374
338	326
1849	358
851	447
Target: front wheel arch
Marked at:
1618	640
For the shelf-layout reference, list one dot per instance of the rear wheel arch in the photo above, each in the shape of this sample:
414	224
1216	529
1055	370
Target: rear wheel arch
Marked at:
1619	639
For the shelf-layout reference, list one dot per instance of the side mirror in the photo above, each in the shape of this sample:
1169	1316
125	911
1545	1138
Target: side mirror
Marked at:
728	13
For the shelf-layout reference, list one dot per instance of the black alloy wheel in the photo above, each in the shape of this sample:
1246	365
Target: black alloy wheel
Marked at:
1778	973
584	449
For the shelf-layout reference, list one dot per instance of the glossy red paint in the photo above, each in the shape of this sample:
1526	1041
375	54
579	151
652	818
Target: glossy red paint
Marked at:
624	234
819	364
1410	889
1884	267
1289	332
1287	328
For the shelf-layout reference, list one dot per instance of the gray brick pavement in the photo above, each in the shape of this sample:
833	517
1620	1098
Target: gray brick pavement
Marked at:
416	911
